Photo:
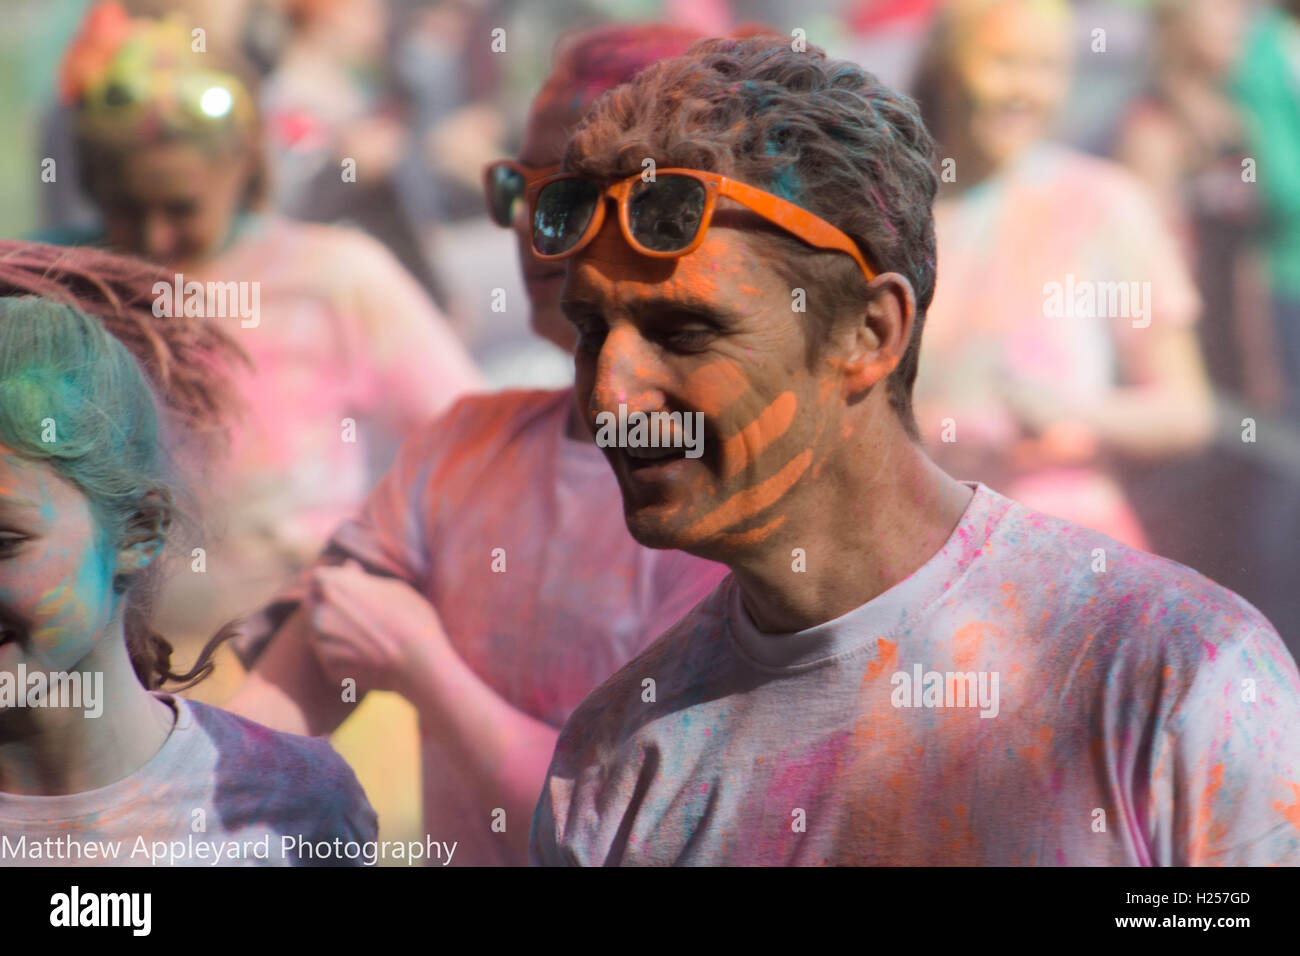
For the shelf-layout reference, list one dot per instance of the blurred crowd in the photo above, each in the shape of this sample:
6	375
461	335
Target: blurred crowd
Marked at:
1153	146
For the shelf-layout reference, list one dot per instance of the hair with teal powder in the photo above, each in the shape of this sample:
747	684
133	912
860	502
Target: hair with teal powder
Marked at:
98	388
63	377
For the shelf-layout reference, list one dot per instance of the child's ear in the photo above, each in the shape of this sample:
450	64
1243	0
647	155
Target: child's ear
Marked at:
145	532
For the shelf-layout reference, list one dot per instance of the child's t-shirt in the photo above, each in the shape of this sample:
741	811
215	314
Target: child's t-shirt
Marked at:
222	791
1035	693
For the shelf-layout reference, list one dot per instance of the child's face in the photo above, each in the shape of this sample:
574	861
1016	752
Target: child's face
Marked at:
56	593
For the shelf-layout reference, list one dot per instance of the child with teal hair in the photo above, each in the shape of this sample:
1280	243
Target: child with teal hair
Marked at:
97	763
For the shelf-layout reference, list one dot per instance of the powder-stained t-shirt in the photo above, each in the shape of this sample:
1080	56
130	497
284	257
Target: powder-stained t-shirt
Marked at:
514	532
1126	711
222	791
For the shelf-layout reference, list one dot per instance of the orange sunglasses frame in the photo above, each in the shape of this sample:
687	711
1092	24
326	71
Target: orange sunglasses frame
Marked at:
530	175
797	221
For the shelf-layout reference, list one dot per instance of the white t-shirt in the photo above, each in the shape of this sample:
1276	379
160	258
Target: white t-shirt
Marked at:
222	791
1135	715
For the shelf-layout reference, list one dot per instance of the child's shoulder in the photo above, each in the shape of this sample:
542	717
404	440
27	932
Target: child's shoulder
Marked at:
262	756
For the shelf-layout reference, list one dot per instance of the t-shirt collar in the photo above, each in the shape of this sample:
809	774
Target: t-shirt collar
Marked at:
884	615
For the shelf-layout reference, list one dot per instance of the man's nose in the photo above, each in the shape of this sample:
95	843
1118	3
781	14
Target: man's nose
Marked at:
626	374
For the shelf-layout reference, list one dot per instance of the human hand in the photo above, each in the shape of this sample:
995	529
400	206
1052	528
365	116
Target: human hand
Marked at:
377	630
1058	432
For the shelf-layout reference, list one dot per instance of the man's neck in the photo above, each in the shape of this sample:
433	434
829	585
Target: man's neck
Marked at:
869	531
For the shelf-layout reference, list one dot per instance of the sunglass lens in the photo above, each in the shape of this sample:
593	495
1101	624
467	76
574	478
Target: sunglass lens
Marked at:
564	210
664	215
505	189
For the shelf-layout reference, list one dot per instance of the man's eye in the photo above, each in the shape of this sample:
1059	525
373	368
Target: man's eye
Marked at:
591	332
9	542
688	340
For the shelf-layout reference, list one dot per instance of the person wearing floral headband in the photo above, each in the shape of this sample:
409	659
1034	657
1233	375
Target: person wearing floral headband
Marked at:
348	354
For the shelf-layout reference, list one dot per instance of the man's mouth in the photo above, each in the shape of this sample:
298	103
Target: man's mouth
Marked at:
642	458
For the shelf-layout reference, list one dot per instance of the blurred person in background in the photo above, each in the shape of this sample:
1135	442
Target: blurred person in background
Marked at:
1267	85
347	353
489	579
1017	387
1185	137
331	97
1186	141
1268	89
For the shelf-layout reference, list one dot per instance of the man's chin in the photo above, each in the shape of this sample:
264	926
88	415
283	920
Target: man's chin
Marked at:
650	530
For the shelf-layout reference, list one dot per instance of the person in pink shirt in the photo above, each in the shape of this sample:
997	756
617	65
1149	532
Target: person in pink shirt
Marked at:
489	578
903	667
348	354
1061	333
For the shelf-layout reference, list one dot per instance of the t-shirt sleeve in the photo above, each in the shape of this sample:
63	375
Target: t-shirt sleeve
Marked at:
543	848
387	536
1225	784
562	796
299	788
347	814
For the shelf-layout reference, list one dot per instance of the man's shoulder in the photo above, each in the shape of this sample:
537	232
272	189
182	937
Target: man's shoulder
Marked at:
1085	581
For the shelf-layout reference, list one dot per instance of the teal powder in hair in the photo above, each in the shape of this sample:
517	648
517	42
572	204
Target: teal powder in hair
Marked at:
64	377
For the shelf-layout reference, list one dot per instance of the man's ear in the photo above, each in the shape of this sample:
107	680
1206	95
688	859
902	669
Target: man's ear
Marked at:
882	332
145	532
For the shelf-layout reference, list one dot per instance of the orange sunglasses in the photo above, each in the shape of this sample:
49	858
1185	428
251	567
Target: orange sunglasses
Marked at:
504	182
665	217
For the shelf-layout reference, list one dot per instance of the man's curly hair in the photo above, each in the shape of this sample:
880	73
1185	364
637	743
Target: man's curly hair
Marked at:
821	133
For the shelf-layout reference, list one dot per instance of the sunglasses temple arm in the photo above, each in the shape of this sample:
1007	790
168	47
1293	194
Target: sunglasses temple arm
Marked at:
755	200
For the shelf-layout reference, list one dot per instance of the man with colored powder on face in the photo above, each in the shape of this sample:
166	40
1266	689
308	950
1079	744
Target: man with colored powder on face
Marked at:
902	668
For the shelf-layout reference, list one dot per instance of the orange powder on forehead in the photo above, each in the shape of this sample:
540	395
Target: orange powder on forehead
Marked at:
745	504
746	445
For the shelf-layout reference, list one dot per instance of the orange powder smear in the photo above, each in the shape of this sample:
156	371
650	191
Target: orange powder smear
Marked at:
744	539
1205	814
747	503
966	643
770	425
717	385
1292	812
886	660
